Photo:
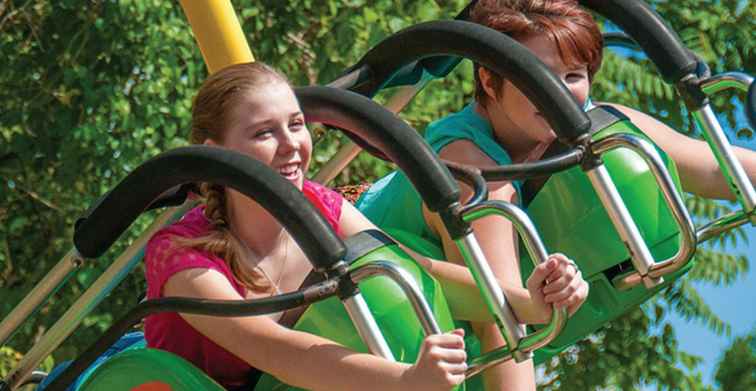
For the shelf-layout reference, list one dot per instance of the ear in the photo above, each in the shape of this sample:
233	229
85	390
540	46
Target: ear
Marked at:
487	82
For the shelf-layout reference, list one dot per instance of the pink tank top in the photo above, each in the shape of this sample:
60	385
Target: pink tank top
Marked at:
168	331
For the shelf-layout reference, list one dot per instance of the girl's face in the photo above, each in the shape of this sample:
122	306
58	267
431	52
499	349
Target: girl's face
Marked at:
268	125
522	116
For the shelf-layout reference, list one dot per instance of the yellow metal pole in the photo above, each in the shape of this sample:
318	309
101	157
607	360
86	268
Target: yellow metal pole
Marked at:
218	32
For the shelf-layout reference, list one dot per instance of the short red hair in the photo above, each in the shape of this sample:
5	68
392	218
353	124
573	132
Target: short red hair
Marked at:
570	27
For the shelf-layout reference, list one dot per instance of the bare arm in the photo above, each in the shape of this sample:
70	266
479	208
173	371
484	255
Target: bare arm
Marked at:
699	170
498	240
301	359
465	300
460	288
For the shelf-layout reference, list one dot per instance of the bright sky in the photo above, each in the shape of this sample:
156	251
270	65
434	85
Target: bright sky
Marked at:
735	304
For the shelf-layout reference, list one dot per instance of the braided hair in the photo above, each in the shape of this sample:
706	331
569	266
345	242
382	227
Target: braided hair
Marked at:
212	104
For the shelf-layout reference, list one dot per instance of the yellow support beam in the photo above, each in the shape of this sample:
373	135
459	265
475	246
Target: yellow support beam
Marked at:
218	32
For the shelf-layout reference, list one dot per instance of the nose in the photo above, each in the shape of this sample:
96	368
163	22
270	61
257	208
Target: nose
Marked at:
576	89
288	141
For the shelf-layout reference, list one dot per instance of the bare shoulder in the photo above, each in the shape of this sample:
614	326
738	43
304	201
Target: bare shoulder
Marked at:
352	220
466	152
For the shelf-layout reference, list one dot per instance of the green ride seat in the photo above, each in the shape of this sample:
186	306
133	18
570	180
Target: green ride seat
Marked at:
571	220
392	311
147	369
152	368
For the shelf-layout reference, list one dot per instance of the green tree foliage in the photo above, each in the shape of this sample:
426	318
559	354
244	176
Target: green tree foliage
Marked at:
643	343
90	89
736	371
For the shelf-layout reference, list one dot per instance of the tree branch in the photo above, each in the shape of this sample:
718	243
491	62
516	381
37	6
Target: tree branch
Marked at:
36	196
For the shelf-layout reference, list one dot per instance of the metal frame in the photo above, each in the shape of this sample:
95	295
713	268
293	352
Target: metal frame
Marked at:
52	281
652	270
706	120
736	177
519	344
104	284
407	285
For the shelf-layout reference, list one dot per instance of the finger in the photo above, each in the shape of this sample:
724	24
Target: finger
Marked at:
568	303
450	356
564	267
559	257
573	289
561	295
460	332
454	368
580	299
556	285
538	276
452	341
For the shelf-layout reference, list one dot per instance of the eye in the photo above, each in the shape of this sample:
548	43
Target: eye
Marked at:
262	133
575	76
297	124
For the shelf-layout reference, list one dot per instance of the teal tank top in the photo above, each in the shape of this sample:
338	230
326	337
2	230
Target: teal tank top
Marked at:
392	203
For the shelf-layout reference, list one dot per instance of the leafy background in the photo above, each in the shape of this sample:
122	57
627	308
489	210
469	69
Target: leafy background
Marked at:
90	89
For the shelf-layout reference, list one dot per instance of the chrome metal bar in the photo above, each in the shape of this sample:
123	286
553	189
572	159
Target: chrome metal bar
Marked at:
487	360
367	327
736	177
645	150
49	284
349	150
723	224
407	285
492	295
538	253
727	80
623	223
529	343
104	284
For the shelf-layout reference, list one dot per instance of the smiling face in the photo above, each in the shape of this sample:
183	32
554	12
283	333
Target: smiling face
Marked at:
513	114
267	124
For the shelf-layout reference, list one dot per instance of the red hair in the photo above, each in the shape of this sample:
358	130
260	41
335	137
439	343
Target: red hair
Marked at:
571	28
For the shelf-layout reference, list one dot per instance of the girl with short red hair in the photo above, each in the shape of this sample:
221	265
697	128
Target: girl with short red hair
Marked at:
502	127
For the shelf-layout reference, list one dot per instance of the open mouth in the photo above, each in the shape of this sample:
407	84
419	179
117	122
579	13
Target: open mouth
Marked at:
291	171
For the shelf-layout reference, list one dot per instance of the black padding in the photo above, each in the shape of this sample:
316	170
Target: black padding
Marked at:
488	47
618	38
750	105
105	222
381	130
175	196
471	176
364	242
220	308
604	116
546	166
645	26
